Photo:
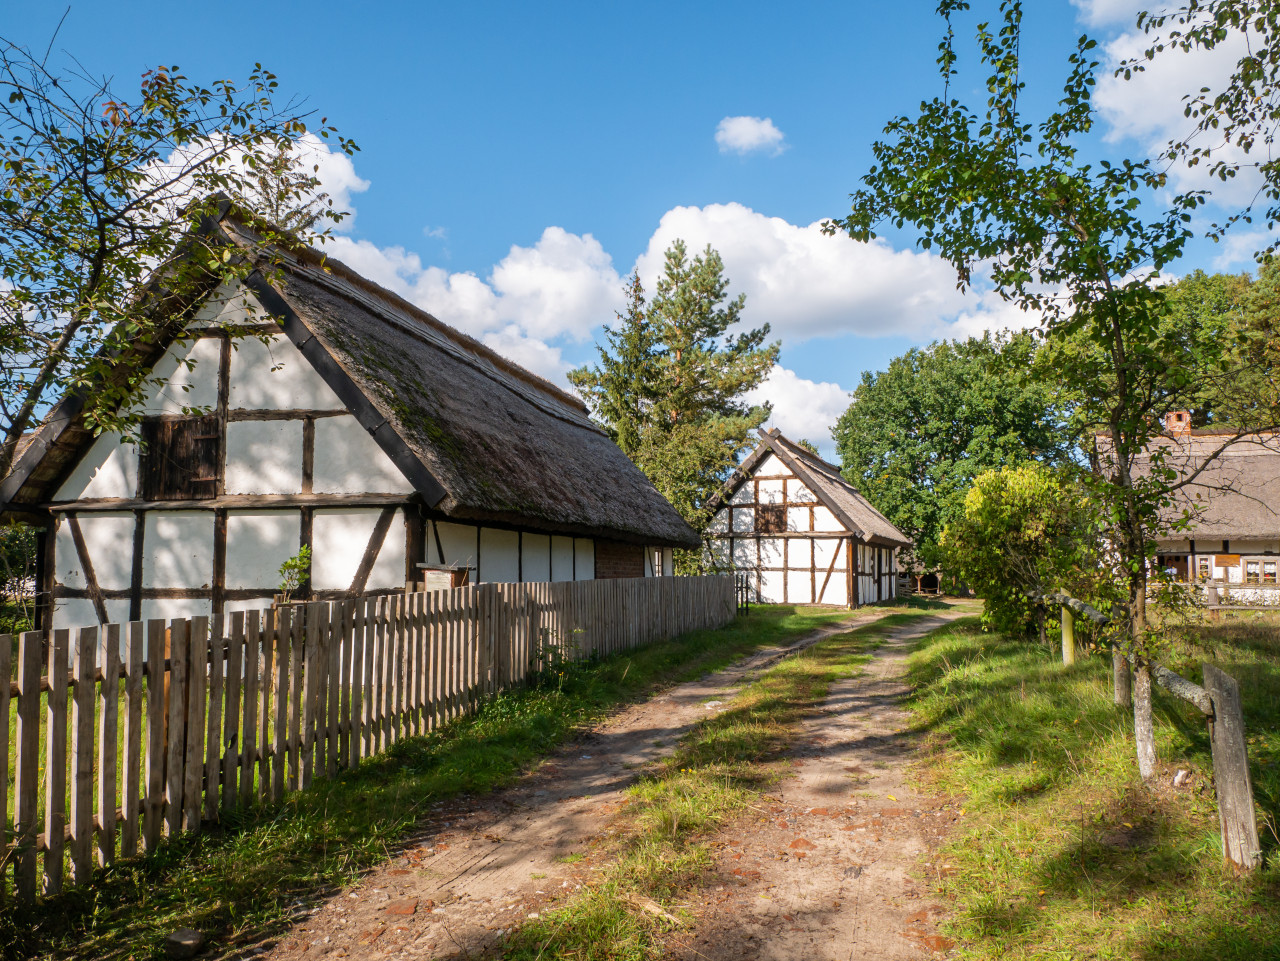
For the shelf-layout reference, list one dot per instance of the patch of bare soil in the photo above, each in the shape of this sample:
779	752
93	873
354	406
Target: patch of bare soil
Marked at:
826	871
478	866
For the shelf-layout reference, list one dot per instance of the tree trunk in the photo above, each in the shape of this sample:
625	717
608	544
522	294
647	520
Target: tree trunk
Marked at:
1122	679
1144	734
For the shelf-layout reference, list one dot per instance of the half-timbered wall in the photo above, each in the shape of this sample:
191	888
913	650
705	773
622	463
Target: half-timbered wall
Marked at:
793	547
292	468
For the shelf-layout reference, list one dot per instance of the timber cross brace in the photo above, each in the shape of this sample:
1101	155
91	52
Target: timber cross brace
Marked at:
1218	701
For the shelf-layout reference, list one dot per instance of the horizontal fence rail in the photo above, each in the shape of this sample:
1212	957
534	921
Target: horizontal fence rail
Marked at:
121	734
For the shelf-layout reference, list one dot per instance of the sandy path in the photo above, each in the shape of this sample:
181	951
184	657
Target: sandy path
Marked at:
826	872
478	866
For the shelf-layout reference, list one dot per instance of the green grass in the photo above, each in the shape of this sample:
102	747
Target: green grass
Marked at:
244	880
719	770
1062	852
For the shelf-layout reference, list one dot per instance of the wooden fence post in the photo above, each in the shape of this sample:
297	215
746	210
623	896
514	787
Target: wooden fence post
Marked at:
1231	771
1068	636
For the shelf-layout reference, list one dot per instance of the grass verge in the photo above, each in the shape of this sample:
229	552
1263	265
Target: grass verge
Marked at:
1063	852
661	852
246	878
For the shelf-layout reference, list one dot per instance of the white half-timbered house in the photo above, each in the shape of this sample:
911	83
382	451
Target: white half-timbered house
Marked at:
801	532
348	421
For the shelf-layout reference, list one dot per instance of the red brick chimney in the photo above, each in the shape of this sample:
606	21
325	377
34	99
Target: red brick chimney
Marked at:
1178	422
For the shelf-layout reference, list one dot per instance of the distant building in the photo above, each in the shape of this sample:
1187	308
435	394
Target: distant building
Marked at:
801	532
1234	505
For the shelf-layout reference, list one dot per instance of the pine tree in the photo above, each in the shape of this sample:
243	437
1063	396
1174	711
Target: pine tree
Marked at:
670	381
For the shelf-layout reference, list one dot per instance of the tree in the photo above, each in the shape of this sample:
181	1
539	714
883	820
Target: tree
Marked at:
670	381
1072	242
98	192
917	434
1020	529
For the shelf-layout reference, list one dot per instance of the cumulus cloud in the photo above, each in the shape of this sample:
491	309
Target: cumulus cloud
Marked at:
803	408
1098	13
806	284
744	135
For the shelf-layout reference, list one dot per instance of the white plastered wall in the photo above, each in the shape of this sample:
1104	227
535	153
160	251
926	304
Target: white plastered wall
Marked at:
180	387
535	558
349	461
562	558
264	457
339	537
177	550
584	553
108	540
108	469
275	376
258	542
499	555
458	543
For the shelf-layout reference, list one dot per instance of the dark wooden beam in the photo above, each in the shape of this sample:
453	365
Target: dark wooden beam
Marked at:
219	559
308	454
244	414
135	579
232	502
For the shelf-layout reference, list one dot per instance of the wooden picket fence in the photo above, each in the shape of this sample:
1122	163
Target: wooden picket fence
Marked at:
126	733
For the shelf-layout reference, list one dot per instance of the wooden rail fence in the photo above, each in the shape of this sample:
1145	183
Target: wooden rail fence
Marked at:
126	733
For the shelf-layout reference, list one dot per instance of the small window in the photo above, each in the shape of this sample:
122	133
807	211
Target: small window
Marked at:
1252	572
771	518
180	459
1204	569
1268	572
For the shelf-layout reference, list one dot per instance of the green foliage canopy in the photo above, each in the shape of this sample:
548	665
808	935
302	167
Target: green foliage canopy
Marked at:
917	434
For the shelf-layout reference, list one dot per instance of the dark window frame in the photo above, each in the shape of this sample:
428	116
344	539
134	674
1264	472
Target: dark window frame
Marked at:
180	458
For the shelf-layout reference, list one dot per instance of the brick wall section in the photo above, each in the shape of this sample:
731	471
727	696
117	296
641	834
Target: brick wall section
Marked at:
614	559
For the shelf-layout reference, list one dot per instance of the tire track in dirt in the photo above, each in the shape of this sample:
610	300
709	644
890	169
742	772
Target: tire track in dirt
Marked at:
825	873
478	866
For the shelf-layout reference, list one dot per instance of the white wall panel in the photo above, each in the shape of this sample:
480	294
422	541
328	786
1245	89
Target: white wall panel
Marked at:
719	521
772	491
499	555
584	558
167	608
264	457
668	562
339	537
718	551
71	612
822	551
388	572
109	540
458	542
798	519
771	586
535	558
771	552
744	552
796	491
745	494
108	469
562	558
275	376
66	562
799	553
258	542
771	466
744	519
180	387
177	549
824	520
799	587
349	461
837	590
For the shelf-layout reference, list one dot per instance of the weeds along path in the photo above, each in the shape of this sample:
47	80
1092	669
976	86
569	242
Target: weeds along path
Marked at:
826	871
481	865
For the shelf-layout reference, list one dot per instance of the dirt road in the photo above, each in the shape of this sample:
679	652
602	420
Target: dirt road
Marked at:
479	866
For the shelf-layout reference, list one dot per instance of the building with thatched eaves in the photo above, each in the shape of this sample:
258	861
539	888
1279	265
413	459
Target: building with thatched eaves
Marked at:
1232	505
350	422
801	532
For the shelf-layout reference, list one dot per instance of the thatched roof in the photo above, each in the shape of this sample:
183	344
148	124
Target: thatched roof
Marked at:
1236	497
825	480
481	438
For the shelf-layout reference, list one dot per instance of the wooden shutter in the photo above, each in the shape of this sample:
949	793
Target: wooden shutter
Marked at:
771	518
180	459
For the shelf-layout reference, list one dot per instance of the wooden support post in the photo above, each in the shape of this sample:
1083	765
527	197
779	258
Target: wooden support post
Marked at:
1231	771
1068	636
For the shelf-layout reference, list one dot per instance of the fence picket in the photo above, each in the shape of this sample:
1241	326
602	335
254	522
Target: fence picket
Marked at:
213	710
313	674
279	715
82	699
249	721
297	695
158	682
131	763
232	742
6	677
108	719
197	694
55	800
26	786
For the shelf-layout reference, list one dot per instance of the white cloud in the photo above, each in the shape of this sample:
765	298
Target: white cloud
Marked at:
1097	13
1239	248
744	135
802	408
806	284
529	352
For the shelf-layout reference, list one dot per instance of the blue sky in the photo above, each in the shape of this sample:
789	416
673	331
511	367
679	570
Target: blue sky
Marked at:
518	160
